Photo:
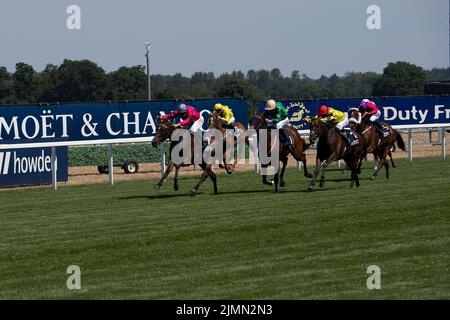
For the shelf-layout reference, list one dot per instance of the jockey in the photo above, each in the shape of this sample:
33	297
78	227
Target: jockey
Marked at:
277	117
367	107
191	118
225	114
330	115
334	116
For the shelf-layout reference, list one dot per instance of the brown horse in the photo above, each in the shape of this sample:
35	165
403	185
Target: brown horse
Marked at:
332	146
164	133
380	146
258	122
215	123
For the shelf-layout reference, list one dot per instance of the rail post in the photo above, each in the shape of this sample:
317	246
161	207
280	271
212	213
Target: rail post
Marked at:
443	144
410	145
54	167
110	164
163	157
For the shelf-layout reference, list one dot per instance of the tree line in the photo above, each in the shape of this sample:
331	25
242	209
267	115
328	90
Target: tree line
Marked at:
84	80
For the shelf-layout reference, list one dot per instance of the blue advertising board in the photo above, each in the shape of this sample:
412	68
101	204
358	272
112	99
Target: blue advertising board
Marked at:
402	112
24	167
102	122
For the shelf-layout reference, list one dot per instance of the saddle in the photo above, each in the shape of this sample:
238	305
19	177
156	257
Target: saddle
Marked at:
382	129
350	137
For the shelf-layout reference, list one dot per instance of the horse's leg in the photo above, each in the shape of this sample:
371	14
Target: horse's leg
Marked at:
264	177
213	177
378	165
276	179
354	178
316	173
283	168
169	169
392	160
305	168
386	165
205	175
322	178
325	164
175	179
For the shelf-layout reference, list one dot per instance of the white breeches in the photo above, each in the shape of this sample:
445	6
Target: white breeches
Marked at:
283	123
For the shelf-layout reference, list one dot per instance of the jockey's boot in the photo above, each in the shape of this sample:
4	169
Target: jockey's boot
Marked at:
286	140
379	128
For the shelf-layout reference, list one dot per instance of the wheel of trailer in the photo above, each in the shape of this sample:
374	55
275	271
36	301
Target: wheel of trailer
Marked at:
103	169
130	167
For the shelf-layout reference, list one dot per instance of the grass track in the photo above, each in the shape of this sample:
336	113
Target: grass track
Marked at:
132	242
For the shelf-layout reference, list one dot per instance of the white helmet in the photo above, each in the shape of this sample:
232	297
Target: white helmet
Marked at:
270	105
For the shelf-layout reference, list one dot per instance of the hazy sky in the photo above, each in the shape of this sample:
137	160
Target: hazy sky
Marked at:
313	36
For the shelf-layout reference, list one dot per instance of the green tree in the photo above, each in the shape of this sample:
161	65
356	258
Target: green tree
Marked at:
128	83
82	81
26	83
6	86
399	79
49	83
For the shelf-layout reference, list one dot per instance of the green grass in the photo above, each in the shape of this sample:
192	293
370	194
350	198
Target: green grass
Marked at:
132	242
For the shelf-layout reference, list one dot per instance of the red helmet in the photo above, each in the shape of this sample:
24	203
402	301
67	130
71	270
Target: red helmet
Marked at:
323	110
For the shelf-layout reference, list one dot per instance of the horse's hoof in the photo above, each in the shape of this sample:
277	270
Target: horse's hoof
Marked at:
193	191
358	171
322	184
372	178
311	189
282	183
176	188
157	187
309	175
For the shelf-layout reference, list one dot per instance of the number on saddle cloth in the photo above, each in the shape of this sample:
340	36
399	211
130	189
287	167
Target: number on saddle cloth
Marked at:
352	138
382	129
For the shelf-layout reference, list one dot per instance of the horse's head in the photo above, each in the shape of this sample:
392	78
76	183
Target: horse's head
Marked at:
163	132
214	121
353	118
316	129
257	122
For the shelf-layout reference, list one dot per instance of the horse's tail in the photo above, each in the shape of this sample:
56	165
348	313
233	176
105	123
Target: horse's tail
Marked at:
400	142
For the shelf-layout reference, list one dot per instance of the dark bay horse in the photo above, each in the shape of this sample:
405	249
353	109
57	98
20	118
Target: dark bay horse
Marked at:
258	122
332	146
380	146
163	133
215	123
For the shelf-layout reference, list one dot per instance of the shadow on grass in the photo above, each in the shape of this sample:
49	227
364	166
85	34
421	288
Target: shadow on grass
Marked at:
184	195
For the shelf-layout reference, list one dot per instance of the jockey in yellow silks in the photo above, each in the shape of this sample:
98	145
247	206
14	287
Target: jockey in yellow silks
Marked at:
225	114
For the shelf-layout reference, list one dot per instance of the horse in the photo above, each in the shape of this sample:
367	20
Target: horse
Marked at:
164	132
258	122
381	147
332	146
215	123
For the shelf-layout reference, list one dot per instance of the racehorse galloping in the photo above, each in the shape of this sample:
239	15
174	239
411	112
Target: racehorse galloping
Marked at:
378	144
258	122
215	123
163	133
332	146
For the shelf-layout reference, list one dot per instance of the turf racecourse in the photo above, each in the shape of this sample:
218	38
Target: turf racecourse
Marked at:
132	242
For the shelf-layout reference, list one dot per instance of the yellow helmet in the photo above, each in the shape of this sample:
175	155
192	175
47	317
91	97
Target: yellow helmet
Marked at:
217	106
270	104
